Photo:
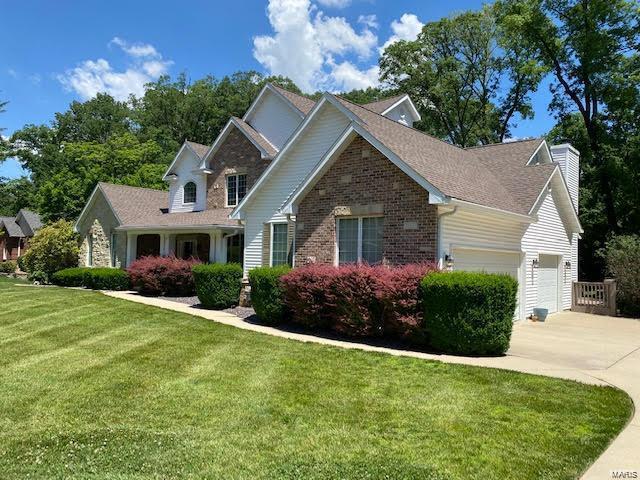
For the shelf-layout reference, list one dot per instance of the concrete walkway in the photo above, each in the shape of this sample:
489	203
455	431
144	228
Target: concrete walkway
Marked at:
591	349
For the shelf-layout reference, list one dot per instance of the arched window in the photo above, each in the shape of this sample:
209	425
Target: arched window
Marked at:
190	193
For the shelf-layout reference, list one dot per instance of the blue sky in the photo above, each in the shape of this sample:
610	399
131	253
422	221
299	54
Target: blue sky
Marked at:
55	52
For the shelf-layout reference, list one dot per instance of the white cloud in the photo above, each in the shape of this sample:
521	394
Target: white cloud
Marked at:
370	21
349	77
336	36
407	28
136	49
95	76
12	73
302	46
335	3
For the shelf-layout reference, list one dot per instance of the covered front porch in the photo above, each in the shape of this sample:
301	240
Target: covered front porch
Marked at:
219	245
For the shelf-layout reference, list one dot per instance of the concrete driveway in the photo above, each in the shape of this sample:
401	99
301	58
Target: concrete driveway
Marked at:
572	344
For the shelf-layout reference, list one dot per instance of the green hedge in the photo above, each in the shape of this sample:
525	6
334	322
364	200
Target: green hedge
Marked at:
107	279
94	278
469	313
69	277
218	285
267	296
8	266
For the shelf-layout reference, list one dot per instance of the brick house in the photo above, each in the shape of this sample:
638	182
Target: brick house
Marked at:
300	181
15	233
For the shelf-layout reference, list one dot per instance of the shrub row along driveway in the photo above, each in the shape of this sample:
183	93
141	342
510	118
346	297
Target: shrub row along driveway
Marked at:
95	386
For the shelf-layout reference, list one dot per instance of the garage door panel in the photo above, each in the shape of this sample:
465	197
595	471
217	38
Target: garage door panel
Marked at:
548	282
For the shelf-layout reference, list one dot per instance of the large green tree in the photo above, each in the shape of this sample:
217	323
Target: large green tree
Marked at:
590	49
469	90
15	194
586	45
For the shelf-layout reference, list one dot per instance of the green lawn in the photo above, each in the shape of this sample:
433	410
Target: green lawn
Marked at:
94	387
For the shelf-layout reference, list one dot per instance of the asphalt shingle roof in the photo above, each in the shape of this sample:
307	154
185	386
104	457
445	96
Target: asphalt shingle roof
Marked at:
11	227
146	207
302	103
201	150
381	105
456	172
259	139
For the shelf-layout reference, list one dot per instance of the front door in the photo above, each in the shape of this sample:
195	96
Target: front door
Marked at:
187	248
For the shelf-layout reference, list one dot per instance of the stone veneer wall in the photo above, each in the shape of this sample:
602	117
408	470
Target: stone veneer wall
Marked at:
363	182
237	155
100	223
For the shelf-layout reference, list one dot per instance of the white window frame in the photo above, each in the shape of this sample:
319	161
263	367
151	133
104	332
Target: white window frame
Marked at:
271	240
237	182
359	247
184	193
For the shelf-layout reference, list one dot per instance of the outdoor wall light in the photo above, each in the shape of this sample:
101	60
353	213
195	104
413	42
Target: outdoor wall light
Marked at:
535	263
448	260
567	265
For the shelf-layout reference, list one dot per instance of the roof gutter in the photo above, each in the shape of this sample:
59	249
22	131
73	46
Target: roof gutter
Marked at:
177	227
469	206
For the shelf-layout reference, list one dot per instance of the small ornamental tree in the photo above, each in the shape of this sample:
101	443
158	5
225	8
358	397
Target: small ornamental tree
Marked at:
53	247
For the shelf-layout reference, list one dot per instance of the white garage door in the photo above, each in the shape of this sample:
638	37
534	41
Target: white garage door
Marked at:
489	262
548	282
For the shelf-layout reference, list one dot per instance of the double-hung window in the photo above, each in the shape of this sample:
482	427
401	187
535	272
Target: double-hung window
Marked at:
279	244
360	240
236	189
189	194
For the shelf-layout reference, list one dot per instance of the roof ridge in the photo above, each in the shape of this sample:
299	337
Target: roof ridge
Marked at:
500	144
131	186
398	123
397	95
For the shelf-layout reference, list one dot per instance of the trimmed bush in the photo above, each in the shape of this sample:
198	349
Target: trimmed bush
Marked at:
53	248
69	277
267	296
469	313
8	266
218	285
106	279
358	300
622	255
94	278
162	276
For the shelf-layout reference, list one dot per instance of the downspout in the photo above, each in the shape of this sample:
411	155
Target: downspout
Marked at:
440	246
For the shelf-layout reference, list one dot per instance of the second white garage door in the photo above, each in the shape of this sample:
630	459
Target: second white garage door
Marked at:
489	262
548	282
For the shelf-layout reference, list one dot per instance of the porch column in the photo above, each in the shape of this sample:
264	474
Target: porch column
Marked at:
213	244
220	250
164	244
132	238
19	242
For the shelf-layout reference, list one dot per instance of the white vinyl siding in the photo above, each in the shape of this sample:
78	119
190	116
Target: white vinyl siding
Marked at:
496	237
274	119
548	236
183	168
324	130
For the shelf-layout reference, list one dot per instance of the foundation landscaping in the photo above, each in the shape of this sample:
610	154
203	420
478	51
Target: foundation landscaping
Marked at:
96	387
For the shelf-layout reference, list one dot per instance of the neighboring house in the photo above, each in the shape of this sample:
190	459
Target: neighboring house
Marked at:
15	233
297	181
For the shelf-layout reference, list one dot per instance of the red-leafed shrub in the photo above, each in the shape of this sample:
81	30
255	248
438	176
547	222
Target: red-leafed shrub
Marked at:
358	300
404	311
163	276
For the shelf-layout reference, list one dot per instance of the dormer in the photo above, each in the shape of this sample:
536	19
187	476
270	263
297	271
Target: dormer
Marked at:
276	113
399	108
187	181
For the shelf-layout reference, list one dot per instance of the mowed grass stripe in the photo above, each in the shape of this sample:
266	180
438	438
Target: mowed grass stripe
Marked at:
117	390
